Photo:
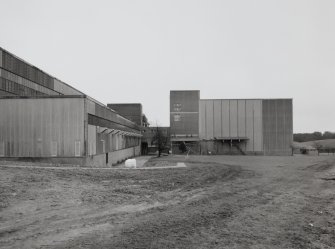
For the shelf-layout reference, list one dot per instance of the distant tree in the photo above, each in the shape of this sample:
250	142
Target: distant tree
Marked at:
304	137
317	135
318	147
160	140
328	135
145	122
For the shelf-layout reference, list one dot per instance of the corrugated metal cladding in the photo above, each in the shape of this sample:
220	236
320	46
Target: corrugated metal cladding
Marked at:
0	57
63	88
4	93
186	125
277	126
184	113
232	119
132	112
20	86
106	115
19	67
50	127
100	142
106	130
23	79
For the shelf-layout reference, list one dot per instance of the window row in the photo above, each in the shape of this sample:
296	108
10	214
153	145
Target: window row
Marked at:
18	89
105	143
22	81
120	142
25	70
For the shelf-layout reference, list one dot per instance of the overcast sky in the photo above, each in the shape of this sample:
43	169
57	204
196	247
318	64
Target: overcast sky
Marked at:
137	51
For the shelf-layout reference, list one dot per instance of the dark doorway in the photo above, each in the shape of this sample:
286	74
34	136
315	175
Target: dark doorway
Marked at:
144	148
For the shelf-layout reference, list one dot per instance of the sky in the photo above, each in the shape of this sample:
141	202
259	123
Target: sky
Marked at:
130	51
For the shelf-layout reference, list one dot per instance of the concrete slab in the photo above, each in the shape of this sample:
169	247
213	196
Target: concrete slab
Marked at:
140	161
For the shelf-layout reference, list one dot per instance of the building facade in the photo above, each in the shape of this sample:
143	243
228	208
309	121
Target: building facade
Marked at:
131	111
230	126
44	119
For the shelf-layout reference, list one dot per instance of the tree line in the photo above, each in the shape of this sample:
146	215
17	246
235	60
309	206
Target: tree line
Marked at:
305	137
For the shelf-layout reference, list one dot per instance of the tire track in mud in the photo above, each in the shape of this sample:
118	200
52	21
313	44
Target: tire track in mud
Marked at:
206	205
198	205
57	226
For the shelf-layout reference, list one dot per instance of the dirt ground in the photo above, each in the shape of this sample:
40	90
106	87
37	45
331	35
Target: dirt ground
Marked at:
215	202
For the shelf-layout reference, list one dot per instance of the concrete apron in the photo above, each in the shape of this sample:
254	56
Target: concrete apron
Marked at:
140	161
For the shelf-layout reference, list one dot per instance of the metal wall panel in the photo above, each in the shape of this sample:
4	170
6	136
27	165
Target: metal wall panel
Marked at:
233	118
25	70
132	112
202	119
288	124
241	118
65	89
20	86
250	124
105	116
0	57
187	126
4	93
280	118
217	118
107	124
225	106
184	113
278	126
32	127
187	99
90	107
258	131
209	119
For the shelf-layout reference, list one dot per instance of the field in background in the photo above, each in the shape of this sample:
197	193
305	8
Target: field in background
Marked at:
216	202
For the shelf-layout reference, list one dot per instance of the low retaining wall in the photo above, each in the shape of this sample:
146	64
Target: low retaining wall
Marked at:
101	160
114	157
121	155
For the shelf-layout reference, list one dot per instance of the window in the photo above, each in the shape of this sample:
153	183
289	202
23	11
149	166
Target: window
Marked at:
177	117
177	107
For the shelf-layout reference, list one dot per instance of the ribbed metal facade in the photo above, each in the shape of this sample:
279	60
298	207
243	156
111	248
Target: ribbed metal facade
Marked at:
184	114
277	126
62	126
44	127
232	119
20	78
233	126
130	111
43	117
108	131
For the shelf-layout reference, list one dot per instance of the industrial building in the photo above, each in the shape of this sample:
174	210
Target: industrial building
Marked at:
44	119
133	112
230	126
